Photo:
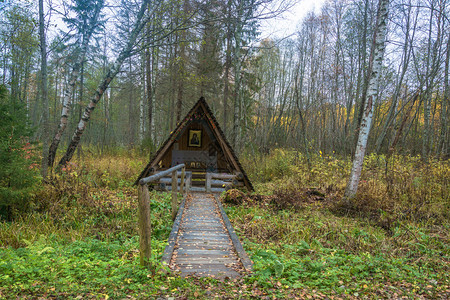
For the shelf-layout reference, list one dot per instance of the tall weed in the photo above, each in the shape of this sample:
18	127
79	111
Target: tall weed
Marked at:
400	188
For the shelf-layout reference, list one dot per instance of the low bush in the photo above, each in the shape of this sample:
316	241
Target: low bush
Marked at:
18	159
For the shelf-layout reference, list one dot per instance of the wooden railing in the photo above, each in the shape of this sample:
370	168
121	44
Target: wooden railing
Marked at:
144	206
219	182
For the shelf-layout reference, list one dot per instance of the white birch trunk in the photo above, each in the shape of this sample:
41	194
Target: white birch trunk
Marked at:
141	102
376	60
110	74
70	87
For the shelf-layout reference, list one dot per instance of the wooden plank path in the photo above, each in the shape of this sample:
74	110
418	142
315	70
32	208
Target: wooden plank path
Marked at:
203	242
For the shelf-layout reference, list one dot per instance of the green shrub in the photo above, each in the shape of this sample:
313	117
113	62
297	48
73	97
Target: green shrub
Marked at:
18	168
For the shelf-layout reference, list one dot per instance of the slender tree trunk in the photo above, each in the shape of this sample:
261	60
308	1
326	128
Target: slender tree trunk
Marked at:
44	90
237	98
141	101
80	104
428	94
445	110
237	75
149	72
69	89
131	106
227	67
402	125
181	67
109	76
376	60
361	84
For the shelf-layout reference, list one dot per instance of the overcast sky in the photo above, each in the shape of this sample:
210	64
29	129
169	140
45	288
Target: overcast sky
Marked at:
287	22
282	26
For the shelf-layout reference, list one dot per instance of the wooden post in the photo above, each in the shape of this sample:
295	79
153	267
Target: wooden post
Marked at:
174	194
145	225
182	180
188	182
208	182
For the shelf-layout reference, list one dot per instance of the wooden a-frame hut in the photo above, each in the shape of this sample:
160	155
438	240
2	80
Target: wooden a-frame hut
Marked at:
200	144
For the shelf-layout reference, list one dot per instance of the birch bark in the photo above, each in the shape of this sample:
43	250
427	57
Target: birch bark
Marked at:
70	87
376	60
109	76
141	101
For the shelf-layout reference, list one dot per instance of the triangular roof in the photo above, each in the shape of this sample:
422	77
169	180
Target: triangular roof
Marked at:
202	107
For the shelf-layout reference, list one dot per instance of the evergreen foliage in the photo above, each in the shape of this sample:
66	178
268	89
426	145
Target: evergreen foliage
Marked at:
18	168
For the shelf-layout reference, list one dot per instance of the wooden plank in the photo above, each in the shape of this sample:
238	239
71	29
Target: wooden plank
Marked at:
207	260
190	251
203	245
174	195
204	235
223	176
197	265
197	189
201	228
209	273
207	247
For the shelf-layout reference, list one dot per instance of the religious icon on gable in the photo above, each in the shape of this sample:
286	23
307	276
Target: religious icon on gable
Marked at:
195	138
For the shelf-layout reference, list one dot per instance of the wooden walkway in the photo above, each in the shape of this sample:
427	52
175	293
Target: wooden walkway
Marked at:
203	242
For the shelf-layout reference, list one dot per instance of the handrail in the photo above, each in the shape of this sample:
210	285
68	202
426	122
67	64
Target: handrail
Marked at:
144	207
232	180
160	174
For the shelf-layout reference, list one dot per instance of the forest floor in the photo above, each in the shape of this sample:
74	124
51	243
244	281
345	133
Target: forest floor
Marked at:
79	239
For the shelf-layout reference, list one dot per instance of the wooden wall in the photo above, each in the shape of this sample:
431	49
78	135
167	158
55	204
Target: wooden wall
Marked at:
208	144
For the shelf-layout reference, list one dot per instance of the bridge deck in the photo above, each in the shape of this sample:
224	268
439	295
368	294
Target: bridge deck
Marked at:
203	243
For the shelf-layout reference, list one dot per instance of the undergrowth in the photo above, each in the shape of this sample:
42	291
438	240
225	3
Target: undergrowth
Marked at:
79	237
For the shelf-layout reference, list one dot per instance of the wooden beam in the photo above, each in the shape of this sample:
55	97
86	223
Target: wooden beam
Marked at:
208	182
160	174
145	226
182	180
223	176
174	195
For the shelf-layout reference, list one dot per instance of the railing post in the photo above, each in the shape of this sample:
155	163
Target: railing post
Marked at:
182	180
208	182
145	225
188	182
174	194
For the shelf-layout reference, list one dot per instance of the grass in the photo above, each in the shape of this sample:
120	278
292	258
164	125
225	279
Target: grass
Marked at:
79	238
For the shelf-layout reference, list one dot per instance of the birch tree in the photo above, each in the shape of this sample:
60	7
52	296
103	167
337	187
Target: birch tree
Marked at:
87	22
376	61
125	53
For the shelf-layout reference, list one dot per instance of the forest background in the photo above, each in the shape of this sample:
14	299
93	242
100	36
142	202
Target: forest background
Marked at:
291	107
